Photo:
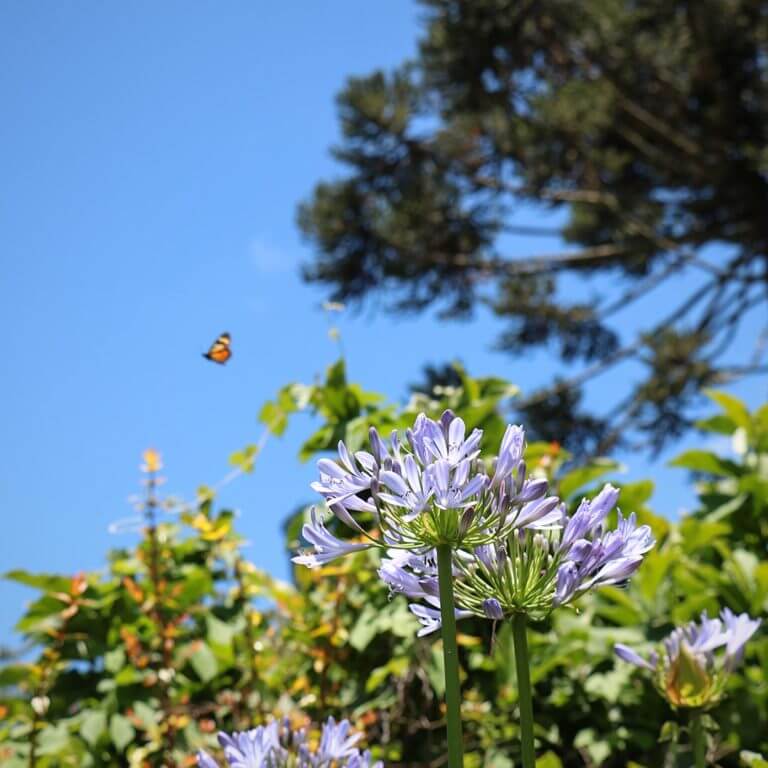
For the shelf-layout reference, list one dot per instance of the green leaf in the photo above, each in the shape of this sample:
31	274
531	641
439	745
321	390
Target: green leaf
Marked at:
204	663
704	461
274	418
670	731
146	714
435	669
494	759
734	407
121	731
752	759
727	509
93	726
597	749
219	632
114	660
395	667
719	423
548	760
13	674
244	459
365	629
48	582
127	676
53	740
578	478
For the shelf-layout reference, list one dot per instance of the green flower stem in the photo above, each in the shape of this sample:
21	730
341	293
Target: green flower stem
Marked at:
525	700
698	743
451	657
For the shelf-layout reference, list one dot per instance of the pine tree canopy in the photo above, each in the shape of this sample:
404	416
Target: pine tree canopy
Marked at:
638	128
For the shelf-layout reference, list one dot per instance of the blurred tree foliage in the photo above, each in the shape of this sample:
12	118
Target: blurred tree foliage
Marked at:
642	126
180	635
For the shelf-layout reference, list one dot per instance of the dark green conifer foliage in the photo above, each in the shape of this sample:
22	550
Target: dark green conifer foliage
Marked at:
640	126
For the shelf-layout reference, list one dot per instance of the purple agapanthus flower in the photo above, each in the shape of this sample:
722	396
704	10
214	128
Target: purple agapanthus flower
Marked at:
429	490
416	576
277	745
546	561
248	749
336	742
691	668
589	557
326	546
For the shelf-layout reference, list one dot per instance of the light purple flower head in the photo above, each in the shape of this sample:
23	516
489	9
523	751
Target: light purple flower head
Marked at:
695	660
277	745
429	490
589	557
247	749
546	561
739	629
336	742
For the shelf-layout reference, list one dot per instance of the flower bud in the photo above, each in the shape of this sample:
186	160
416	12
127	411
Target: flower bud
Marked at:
493	610
465	523
40	705
687	683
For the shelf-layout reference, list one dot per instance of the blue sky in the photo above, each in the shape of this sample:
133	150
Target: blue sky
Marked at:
153	156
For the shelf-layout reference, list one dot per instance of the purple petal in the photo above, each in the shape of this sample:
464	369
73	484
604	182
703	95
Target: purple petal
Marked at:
627	654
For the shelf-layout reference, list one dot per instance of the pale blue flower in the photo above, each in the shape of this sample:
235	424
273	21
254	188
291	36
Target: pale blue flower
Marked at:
633	657
545	560
204	760
510	454
740	629
432	489
336	742
429	615
696	659
492	609
257	748
590	558
326	546
278	746
410	574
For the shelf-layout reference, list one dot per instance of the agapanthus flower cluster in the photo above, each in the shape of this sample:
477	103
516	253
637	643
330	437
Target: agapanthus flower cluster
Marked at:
516	550
692	666
429	490
537	566
277	745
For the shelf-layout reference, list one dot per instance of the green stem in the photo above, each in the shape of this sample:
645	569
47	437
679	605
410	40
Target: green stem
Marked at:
451	656
525	700
698	743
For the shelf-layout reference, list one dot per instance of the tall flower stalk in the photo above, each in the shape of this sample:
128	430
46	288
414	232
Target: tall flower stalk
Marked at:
524	692
450	657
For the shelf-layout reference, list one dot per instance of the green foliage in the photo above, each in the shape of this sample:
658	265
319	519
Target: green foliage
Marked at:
138	665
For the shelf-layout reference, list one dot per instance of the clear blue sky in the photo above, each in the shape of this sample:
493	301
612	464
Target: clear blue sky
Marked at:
152	158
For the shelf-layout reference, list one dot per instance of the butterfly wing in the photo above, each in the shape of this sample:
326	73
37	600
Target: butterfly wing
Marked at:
220	351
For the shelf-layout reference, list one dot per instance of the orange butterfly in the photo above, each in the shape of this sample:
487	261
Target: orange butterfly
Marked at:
219	351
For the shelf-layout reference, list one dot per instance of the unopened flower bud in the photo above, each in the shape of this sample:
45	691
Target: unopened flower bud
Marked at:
40	705
520	476
492	608
687	683
465	523
166	675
